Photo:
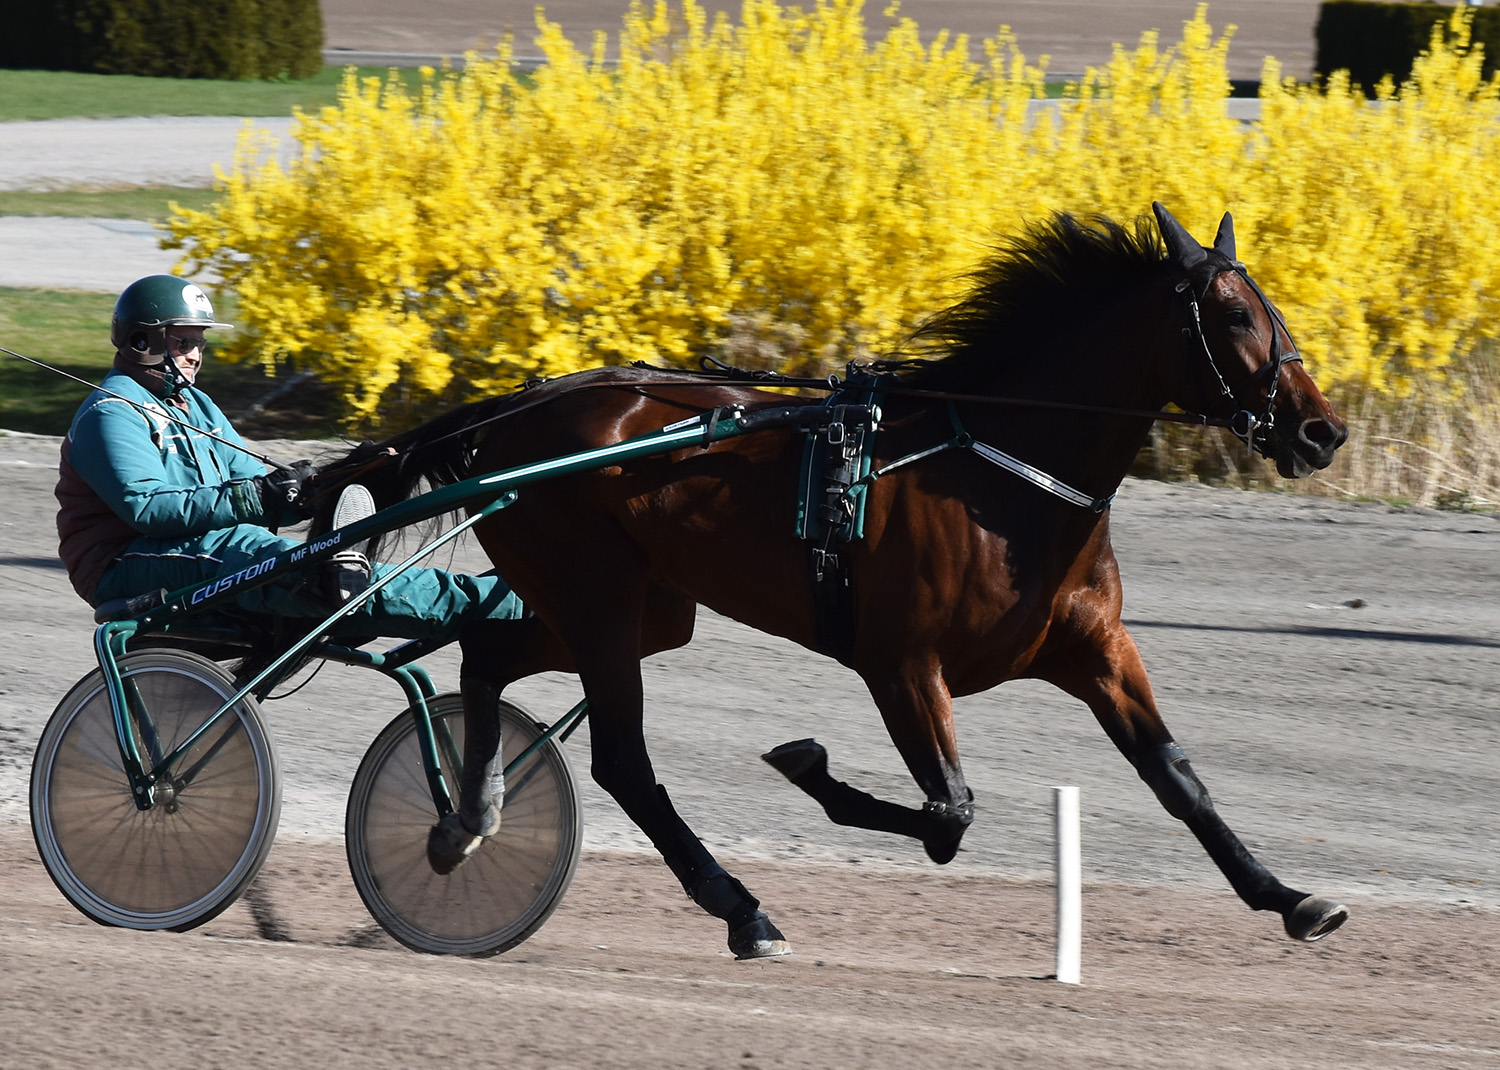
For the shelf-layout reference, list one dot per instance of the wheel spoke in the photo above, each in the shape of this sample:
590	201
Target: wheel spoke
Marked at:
509	887
182	861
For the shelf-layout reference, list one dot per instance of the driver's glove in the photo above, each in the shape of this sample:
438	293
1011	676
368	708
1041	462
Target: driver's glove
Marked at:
280	490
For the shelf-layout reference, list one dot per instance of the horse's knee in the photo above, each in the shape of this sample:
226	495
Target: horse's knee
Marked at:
1166	769
618	782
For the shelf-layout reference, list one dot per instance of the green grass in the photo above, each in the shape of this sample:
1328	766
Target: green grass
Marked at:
143	202
69	329
67	94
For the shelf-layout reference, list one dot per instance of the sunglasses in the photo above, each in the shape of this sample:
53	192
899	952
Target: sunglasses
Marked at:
183	346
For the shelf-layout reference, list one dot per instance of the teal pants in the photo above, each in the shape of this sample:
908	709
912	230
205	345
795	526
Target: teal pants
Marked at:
419	603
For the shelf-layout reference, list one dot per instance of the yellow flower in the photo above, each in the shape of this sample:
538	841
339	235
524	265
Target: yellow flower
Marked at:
780	185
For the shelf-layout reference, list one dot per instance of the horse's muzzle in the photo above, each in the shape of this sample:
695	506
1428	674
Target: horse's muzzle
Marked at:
1311	449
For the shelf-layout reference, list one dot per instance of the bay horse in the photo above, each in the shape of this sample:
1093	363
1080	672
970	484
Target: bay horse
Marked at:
969	572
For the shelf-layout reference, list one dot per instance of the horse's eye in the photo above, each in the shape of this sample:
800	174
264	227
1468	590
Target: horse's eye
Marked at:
1237	317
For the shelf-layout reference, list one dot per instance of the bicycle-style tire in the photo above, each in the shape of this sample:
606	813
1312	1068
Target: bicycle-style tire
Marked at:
510	886
184	860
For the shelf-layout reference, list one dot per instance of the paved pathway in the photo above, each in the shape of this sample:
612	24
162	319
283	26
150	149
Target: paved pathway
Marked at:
58	253
113	153
106	254
1074	33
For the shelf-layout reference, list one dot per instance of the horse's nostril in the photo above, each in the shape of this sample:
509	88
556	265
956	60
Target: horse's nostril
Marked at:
1324	434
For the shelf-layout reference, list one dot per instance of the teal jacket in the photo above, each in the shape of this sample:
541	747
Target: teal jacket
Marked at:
127	473
146	503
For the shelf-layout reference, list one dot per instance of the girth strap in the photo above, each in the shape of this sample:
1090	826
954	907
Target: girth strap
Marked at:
830	510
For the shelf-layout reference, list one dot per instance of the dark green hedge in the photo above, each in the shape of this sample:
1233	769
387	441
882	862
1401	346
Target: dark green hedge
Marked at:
1371	39
233	39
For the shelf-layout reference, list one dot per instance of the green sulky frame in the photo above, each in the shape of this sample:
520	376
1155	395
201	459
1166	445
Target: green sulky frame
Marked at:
487	494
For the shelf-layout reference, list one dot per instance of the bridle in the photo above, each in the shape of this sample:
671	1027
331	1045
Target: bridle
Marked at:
1253	430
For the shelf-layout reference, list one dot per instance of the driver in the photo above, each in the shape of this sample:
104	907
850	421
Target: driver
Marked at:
147	501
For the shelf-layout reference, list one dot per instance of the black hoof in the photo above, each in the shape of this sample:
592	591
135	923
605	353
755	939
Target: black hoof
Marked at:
758	939
797	758
1314	918
450	845
949	822
942	853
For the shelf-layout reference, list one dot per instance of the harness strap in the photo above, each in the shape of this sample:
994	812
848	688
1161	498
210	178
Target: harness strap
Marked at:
962	440
1041	479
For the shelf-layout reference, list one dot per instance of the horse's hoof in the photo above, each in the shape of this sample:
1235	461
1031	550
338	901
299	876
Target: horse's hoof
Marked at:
942	853
797	758
449	845
950	821
758	939
1314	918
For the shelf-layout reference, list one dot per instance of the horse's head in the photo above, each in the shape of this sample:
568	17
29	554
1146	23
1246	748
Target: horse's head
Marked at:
1241	360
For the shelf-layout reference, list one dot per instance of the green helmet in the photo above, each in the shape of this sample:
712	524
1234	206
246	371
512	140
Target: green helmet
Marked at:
150	304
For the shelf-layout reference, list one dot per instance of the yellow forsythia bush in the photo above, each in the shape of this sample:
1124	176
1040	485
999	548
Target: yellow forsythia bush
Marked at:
784	178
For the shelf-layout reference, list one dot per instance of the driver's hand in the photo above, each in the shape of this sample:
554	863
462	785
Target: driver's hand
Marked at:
280	490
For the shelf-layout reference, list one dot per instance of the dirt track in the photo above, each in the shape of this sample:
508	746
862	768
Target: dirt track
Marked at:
1330	668
1354	748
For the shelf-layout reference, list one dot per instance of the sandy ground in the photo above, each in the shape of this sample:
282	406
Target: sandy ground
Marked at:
1330	668
1354	748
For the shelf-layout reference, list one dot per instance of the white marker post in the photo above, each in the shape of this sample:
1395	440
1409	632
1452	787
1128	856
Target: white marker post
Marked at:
1069	887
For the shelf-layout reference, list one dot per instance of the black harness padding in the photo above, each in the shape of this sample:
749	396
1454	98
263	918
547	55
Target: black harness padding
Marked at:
835	458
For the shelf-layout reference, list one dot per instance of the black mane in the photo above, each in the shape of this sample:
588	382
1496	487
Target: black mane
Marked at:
1034	286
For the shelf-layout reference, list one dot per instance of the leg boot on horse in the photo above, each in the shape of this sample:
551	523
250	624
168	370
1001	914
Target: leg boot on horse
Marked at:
482	787
1305	917
495	652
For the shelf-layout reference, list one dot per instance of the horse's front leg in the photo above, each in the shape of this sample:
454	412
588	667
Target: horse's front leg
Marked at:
1109	675
918	714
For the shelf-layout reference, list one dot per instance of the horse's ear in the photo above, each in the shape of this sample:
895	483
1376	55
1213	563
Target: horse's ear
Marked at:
1224	240
1182	248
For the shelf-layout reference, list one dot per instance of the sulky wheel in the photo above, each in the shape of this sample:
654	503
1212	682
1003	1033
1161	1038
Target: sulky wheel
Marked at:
514	881
181	862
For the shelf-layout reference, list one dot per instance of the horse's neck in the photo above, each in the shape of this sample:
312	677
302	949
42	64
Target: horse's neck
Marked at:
1113	362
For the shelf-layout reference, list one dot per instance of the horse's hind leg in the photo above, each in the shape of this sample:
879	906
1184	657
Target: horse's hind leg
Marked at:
1112	680
495	653
919	717
606	639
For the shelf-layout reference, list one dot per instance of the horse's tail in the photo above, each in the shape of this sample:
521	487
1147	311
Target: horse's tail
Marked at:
441	451
435	454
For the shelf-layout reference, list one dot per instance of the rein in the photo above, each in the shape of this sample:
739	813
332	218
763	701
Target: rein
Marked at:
714	370
1242	423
